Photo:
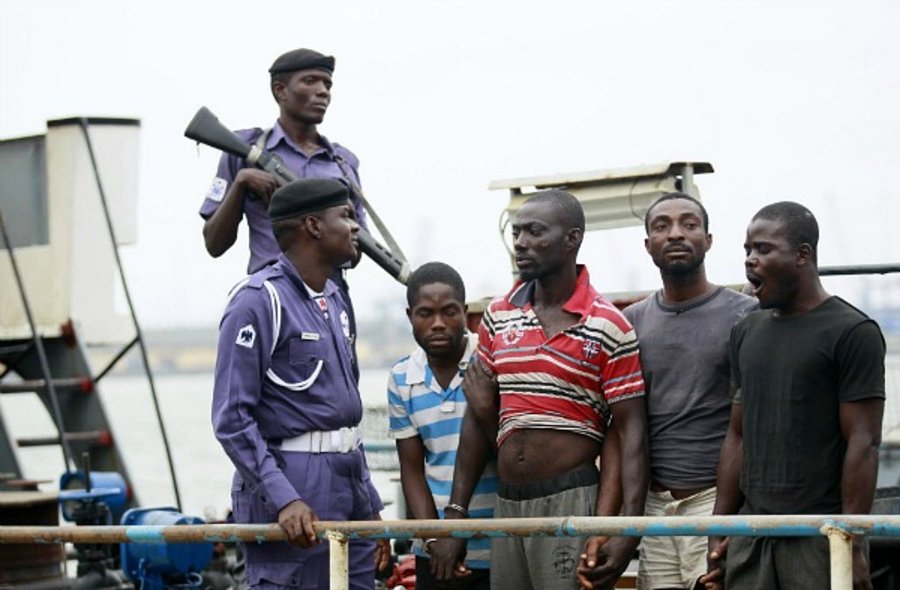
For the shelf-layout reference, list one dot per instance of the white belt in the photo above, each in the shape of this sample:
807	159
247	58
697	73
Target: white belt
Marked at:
342	440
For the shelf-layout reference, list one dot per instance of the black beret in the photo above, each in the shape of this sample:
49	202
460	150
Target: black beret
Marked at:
306	196
302	59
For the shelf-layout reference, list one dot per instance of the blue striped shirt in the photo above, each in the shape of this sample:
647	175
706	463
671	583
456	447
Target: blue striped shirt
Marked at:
418	406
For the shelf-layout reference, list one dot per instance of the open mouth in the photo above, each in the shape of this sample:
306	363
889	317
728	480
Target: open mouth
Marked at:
755	284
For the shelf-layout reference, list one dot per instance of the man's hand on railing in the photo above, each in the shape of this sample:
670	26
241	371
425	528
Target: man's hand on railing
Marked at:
448	556
382	550
715	562
296	520
603	561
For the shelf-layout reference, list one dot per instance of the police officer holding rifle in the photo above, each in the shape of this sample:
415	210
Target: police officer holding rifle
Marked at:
257	161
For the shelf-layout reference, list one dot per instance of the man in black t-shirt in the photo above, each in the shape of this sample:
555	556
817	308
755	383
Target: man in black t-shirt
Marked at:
808	386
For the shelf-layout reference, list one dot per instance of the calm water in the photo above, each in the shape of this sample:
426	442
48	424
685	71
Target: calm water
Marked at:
203	470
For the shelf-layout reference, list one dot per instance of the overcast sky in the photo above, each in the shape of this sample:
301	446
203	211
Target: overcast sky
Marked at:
788	100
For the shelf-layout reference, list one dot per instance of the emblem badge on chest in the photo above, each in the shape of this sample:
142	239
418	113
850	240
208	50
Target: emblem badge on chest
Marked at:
590	349
512	335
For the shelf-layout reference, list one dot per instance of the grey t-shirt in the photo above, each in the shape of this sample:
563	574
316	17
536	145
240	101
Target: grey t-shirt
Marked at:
684	355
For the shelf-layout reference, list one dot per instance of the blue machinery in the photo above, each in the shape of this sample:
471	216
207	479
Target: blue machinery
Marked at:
837	528
92	500
165	565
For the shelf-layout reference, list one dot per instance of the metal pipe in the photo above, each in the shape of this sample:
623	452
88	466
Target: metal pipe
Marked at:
115	360
32	385
629	526
841	549
858	269
96	437
687	181
339	561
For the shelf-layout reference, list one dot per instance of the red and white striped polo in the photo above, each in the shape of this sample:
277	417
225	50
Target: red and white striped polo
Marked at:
565	382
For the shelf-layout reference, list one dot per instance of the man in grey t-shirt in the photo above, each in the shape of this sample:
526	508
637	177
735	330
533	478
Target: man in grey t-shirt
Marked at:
683	331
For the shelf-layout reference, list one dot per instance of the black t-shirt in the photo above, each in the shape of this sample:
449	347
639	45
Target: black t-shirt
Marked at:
791	375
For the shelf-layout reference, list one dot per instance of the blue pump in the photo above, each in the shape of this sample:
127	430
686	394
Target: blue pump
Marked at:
161	566
78	487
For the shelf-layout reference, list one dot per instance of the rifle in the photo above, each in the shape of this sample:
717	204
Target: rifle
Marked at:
205	128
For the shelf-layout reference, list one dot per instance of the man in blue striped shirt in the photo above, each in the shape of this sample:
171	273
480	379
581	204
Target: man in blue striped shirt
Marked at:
426	406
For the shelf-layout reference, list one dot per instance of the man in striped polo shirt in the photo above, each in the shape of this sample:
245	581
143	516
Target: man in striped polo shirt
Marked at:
426	405
555	362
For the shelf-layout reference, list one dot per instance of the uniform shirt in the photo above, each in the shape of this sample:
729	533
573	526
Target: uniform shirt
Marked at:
322	164
565	382
684	355
310	353
418	406
790	375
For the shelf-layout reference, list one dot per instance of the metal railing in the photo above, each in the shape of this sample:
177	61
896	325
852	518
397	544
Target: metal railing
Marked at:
837	528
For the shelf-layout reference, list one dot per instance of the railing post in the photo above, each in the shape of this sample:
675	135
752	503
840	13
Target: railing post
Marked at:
840	545
339	556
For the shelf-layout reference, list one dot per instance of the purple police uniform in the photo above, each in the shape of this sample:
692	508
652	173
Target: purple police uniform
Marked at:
269	389
322	164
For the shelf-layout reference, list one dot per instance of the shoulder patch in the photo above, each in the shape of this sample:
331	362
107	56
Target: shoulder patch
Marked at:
217	189
246	336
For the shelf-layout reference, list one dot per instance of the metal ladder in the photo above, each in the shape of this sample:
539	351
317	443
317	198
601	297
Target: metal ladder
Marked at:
57	370
70	394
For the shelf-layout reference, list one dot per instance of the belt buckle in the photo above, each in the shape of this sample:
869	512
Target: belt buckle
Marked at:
347	439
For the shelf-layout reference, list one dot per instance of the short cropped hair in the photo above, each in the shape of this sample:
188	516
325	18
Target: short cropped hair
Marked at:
434	272
569	208
800	225
672	196
283	77
284	229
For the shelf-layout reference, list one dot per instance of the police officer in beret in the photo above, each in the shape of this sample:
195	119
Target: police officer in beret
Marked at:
301	85
286	407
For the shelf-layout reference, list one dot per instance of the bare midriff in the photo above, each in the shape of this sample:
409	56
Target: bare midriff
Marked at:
531	455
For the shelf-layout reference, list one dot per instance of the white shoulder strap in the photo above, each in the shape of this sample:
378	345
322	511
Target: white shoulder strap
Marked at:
275	300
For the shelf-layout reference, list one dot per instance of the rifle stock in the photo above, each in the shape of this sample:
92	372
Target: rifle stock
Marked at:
206	128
